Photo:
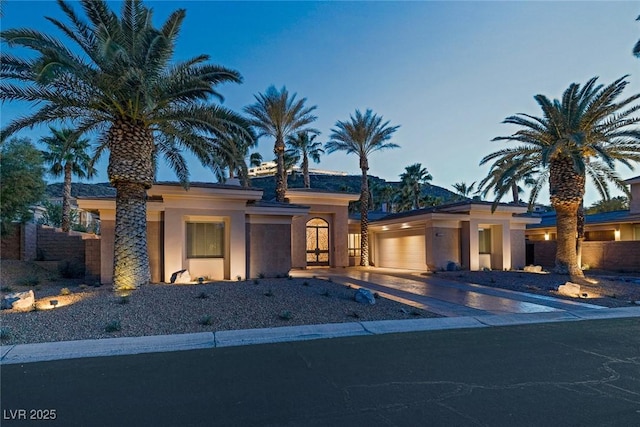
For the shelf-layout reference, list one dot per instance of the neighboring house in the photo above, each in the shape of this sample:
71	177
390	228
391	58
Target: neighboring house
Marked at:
612	239
228	232
269	169
465	233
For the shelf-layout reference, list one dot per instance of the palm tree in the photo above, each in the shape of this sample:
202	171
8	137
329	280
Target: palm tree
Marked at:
585	133
303	145
505	175
125	85
463	189
277	115
363	134
412	179
67	155
230	154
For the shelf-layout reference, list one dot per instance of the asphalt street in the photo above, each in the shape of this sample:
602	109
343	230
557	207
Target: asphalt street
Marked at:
583	373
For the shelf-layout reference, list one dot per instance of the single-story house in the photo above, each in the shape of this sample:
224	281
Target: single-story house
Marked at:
228	232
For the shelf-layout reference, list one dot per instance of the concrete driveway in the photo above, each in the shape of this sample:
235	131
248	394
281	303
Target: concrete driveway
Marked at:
445	297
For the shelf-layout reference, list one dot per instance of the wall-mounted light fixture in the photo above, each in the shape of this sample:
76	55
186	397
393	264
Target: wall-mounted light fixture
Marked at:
546	236
616	234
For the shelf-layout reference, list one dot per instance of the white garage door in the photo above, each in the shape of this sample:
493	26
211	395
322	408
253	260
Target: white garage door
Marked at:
401	249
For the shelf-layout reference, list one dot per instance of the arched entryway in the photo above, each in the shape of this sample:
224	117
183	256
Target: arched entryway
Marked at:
317	242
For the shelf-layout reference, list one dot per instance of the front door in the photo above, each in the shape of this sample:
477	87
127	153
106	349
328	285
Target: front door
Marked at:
317	242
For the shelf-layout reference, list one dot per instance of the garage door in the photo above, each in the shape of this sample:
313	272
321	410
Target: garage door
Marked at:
401	249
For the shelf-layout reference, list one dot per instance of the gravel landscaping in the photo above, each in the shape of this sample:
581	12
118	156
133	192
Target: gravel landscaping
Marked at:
96	312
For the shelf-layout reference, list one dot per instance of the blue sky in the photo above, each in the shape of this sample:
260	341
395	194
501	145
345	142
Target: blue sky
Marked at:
447	72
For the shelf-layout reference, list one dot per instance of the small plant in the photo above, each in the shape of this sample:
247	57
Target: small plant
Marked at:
325	293
285	315
354	315
305	283
65	291
6	289
492	280
289	277
202	295
205	321
268	293
123	300
5	334
614	296
330	279
256	281
260	275
239	278
71	269
376	295
349	287
83	286
113	326
415	312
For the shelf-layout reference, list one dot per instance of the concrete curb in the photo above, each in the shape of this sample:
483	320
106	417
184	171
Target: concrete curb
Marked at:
42	352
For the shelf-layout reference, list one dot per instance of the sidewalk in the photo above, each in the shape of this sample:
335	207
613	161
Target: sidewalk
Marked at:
28	353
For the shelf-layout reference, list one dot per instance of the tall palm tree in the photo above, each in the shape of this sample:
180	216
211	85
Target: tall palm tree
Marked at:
230	156
362	135
67	155
125	85
505	176
463	189
585	133
303	145
636	48
279	115
413	179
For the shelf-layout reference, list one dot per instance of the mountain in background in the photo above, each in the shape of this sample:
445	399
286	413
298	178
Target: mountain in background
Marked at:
333	183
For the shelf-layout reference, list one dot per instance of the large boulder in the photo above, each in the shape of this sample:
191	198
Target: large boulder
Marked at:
533	269
22	301
365	296
181	276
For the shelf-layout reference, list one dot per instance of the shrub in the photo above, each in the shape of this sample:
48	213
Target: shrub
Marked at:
268	293
260	275
202	295
325	293
6	289
285	315
205	321
30	281
113	326
123	300
305	283
256	281
65	291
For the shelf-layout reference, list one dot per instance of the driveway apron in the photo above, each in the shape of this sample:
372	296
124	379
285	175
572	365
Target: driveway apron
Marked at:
445	297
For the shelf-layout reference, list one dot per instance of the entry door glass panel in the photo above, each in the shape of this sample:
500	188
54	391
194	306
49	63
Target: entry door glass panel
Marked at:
317	242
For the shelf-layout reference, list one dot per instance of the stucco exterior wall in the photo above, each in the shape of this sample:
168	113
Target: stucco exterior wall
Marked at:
269	248
107	233
443	245
518	249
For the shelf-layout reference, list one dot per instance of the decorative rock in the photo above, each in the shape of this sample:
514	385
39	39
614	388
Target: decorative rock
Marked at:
22	301
181	276
569	289
533	269
452	266
365	296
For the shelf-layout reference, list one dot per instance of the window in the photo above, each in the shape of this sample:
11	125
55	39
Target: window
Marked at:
205	239
484	241
354	245
601	235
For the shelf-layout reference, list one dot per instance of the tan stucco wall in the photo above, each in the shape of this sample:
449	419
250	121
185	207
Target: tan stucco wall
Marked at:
269	248
518	249
443	245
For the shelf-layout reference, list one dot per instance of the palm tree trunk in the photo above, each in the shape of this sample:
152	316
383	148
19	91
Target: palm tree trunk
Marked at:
566	187
364	216
305	170
281	186
66	199
515	193
131	257
580	239
131	172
